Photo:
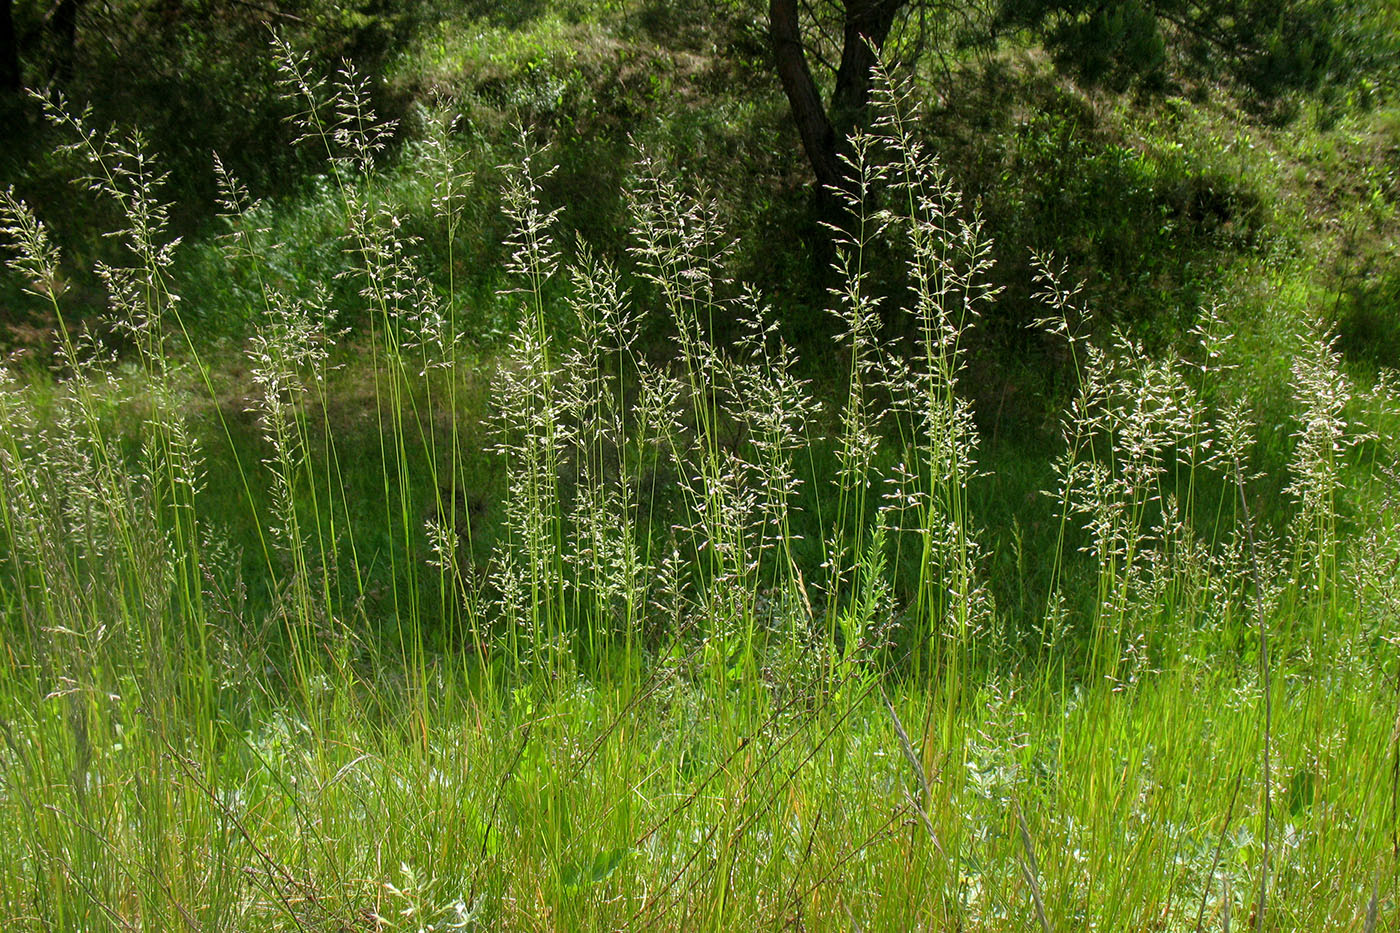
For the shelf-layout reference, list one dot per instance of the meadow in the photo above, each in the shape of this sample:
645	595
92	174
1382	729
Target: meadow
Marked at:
640	618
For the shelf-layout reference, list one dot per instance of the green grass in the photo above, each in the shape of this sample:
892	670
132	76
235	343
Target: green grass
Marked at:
525	623
596	807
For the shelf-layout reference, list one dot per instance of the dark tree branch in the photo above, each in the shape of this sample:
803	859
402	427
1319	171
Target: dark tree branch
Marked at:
813	125
825	37
824	131
868	25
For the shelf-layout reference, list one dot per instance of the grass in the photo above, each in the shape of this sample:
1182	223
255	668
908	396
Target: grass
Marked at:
674	640
676	806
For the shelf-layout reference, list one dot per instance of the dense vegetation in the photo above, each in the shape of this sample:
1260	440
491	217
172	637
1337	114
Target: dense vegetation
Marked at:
524	511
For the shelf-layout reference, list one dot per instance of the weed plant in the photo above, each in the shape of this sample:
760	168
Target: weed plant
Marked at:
638	697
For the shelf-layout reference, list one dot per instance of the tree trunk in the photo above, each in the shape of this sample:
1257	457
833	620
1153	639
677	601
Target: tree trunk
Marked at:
9	49
824	133
868	24
818	135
